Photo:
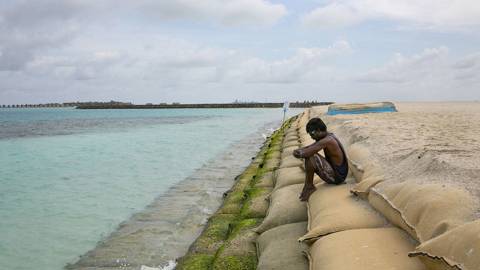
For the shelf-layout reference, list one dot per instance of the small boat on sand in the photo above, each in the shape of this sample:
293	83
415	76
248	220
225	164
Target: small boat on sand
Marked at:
358	108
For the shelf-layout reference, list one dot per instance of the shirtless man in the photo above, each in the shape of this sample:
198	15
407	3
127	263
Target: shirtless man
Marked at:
332	169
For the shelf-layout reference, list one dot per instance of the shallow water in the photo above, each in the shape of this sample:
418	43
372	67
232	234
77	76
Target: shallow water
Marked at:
69	177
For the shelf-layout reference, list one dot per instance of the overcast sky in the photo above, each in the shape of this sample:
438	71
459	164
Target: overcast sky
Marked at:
250	50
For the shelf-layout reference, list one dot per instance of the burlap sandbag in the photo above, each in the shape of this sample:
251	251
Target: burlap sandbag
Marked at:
304	136
291	143
278	248
256	205
362	164
364	249
332	208
318	111
292	136
239	251
423	210
303	120
362	189
291	131
453	250
273	154
271	164
302	132
307	143
291	161
285	207
288	176
266	180
287	152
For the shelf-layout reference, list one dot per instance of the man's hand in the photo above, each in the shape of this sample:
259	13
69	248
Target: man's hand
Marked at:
298	153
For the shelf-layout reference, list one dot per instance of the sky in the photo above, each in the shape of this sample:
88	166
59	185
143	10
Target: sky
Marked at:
191	51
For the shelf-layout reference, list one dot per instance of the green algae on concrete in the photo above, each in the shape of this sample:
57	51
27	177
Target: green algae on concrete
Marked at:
236	263
228	241
195	262
215	233
264	181
239	251
256	205
243	225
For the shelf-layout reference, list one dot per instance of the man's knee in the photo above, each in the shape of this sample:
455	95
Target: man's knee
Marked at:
309	163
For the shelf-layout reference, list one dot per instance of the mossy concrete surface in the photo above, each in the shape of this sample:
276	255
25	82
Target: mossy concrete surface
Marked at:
214	234
228	242
195	262
264	181
256	205
236	263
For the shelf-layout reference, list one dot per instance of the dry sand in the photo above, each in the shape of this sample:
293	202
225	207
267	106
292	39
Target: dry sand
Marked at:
422	142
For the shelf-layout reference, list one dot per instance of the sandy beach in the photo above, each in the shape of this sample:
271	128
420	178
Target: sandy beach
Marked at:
422	142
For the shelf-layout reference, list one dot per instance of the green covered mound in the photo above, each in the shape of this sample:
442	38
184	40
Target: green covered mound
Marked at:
227	242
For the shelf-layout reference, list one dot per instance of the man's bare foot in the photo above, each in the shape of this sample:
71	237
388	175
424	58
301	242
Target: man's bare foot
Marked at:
306	192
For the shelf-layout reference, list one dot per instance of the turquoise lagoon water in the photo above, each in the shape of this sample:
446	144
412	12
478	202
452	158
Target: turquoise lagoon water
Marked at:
69	177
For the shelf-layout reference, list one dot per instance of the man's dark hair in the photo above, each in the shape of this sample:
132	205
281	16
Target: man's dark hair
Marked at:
315	124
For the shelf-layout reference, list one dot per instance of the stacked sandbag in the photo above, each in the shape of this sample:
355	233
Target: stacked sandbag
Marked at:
364	249
457	249
382	225
288	151
239	251
228	241
285	208
364	168
285	222
278	248
439	217
346	232
331	208
424	211
288	176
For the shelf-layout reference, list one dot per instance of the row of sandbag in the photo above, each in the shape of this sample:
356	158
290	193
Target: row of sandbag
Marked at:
286	219
227	241
441	218
409	227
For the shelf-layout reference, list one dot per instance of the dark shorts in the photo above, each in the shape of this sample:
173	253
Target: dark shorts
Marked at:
331	175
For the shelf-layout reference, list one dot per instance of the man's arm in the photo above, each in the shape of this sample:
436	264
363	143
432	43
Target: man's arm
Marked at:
312	149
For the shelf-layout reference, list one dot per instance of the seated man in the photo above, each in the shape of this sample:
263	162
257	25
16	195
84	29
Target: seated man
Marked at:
332	169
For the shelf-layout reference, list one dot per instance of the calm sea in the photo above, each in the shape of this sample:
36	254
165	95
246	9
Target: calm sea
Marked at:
69	177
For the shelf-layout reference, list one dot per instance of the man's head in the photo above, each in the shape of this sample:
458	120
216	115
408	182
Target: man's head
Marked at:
316	128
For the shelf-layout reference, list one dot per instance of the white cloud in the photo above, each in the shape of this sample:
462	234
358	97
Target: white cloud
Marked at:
402	69
433	74
307	64
427	14
29	27
333	15
227	12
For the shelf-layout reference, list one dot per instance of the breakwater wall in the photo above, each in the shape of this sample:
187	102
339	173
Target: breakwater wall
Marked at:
227	241
203	106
